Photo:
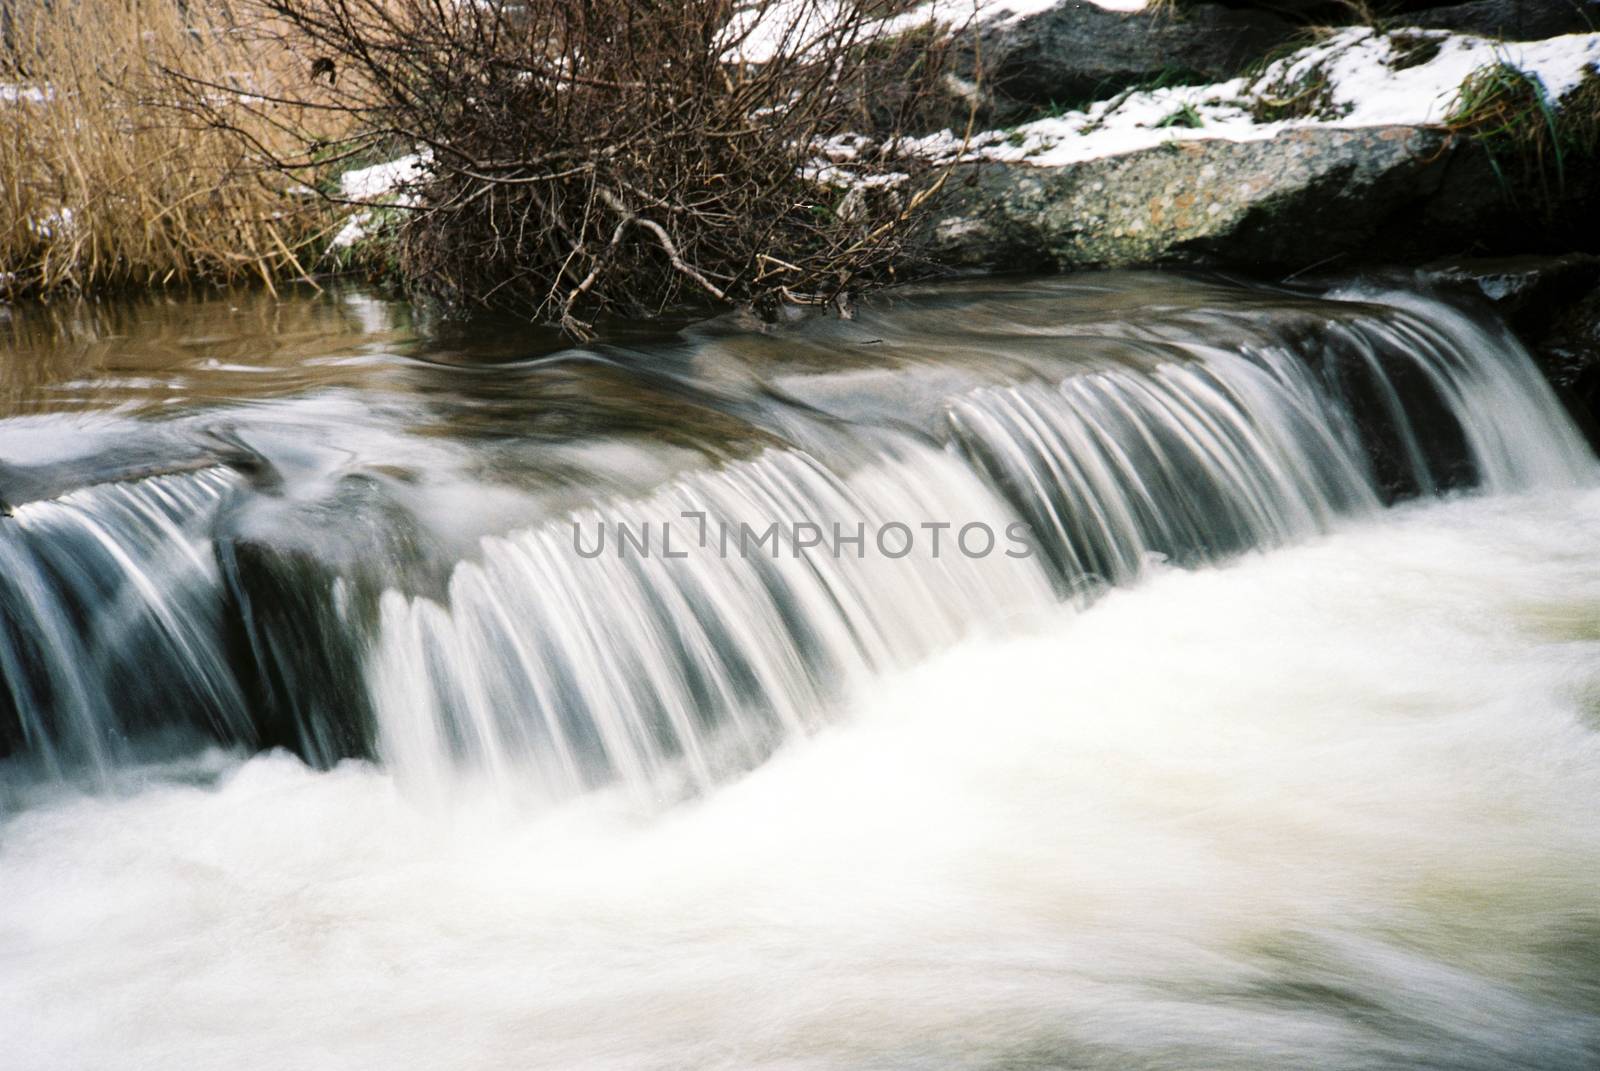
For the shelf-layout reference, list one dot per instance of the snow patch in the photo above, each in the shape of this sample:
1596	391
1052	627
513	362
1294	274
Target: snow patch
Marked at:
1364	89
355	228
61	223
761	32
370	183
997	11
12	93
375	186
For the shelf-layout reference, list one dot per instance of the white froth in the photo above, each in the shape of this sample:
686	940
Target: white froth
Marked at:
1146	835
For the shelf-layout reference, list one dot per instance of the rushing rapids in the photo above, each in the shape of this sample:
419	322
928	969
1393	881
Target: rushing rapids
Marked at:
1112	670
319	586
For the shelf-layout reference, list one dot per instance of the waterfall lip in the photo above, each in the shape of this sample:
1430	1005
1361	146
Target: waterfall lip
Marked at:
40	460
422	529
21	486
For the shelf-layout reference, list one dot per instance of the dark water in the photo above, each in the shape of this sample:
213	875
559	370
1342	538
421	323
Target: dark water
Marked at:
667	699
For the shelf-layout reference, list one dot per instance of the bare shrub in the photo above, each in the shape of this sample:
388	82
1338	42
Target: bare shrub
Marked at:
591	157
104	181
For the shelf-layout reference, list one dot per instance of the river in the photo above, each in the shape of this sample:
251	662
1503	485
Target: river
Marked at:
1104	671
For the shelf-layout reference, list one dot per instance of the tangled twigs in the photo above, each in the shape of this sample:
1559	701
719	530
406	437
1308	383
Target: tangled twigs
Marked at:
619	157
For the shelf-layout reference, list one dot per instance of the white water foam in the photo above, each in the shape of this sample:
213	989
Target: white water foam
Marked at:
1328	806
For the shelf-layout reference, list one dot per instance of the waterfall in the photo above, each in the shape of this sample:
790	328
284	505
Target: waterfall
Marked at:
110	620
546	665
639	663
1228	449
607	635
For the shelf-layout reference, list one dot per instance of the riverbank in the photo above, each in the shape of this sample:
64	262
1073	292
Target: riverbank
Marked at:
129	158
1456	141
1106	135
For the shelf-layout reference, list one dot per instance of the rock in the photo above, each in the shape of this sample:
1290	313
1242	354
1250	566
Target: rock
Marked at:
303	577
1189	201
1529	291
1552	303
38	463
1568	348
1077	52
298	649
1513	20
1307	197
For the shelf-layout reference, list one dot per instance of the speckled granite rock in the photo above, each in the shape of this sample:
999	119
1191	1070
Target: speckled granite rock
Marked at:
1288	200
1307	197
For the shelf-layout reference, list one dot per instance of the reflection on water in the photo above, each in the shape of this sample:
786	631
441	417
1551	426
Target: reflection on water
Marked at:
158	351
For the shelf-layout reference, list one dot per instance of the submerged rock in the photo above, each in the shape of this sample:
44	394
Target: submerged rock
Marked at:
1522	288
46	464
303	575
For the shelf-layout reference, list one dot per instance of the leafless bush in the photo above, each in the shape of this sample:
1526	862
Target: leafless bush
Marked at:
590	157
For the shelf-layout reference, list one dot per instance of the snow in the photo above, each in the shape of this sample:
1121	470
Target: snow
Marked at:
1358	64
12	93
58	224
959	12
1365	90
354	230
380	184
371	183
762	31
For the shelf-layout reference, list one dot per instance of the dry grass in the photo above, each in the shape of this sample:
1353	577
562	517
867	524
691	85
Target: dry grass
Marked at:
103	182
1506	111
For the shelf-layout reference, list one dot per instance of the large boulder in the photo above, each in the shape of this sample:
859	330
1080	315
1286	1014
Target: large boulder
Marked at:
1512	20
1309	196
1078	52
1073	53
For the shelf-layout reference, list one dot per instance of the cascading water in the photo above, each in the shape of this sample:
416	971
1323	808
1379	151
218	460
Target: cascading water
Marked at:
1224	450
1185	436
548	665
1005	749
110	619
566	656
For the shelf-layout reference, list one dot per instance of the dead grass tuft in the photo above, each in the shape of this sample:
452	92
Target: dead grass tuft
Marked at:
105	180
1507	111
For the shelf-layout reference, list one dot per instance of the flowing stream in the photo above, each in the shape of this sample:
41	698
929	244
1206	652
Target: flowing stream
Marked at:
1106	671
